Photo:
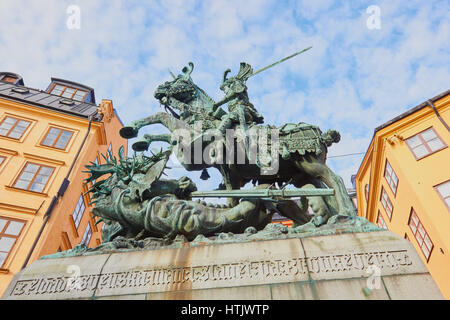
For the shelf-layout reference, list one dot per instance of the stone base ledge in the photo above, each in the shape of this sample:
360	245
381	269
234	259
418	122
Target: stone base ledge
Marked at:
371	265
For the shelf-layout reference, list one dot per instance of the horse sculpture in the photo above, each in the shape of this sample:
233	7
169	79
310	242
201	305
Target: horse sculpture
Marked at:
301	149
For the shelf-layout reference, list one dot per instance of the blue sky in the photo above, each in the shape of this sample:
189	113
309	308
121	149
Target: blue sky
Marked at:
353	80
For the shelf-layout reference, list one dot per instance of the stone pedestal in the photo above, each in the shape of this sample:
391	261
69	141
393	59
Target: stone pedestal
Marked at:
370	265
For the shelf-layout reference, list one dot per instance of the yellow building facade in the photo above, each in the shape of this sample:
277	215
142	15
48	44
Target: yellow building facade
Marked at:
46	139
403	183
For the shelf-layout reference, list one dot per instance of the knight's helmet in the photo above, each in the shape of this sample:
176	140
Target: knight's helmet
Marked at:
244	73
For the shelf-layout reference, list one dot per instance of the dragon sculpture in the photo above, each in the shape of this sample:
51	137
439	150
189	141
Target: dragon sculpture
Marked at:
135	202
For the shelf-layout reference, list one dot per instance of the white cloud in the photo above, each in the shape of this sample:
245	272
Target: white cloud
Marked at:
353	79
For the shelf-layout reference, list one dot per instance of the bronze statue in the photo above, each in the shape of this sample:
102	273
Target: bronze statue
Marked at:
141	209
300	151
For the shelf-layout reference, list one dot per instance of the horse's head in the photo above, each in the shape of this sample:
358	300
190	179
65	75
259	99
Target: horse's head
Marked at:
181	88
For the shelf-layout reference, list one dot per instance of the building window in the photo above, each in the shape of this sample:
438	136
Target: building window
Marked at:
9	233
423	240
380	221
2	159
366	192
57	138
87	235
78	212
13	128
391	177
425	143
34	177
386	202
68	92
9	79
444	192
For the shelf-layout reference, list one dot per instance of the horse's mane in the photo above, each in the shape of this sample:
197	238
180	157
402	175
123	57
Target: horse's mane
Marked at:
211	100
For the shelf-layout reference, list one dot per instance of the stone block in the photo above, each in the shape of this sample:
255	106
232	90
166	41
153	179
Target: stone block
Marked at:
292	291
261	292
358	255
348	289
124	297
319	267
412	287
65	278
203	267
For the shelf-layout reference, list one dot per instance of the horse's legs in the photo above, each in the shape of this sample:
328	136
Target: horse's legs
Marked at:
170	122
131	130
321	171
144	143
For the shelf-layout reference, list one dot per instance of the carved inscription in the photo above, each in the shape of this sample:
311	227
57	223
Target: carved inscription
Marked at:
261	270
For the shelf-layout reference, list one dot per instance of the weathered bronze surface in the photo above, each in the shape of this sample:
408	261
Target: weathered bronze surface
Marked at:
300	150
141	210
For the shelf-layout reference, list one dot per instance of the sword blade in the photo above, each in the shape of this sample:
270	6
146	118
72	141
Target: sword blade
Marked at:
262	193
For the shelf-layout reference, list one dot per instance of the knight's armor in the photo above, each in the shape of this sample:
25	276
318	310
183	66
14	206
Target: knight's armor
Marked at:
241	110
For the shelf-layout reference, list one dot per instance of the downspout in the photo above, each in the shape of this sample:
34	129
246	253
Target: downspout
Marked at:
430	103
60	193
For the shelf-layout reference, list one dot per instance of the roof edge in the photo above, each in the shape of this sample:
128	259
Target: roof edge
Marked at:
412	110
40	105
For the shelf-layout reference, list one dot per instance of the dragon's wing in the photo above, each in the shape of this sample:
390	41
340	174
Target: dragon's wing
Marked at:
156	170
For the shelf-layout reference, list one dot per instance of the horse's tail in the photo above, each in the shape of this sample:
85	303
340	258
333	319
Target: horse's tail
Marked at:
330	137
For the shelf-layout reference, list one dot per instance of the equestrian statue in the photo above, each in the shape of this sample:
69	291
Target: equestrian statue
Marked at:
300	148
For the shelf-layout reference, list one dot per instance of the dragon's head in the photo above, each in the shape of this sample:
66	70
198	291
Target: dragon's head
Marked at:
120	171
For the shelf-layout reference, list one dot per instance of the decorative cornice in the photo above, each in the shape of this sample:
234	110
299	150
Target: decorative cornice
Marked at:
13	207
106	108
44	159
8	151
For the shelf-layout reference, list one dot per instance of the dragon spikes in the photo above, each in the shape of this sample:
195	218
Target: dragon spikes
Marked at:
120	169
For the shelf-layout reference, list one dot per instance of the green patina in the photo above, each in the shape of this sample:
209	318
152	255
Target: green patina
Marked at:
142	211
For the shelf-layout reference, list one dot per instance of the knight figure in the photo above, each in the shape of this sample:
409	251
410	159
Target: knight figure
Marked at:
241	110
